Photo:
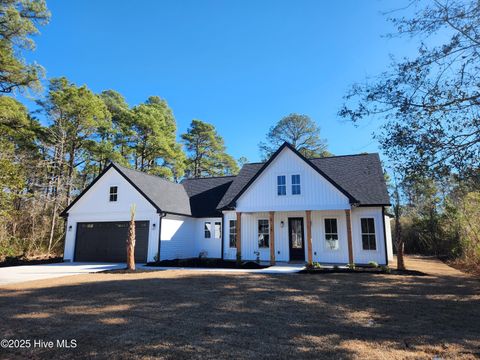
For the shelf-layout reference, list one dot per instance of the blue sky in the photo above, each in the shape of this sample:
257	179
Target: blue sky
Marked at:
240	65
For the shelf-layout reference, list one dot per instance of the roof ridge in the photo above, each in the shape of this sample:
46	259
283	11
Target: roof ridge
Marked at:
210	177
144	173
339	156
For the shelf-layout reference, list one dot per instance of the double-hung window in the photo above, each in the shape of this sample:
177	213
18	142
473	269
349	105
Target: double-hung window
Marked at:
113	193
368	234
331	233
232	232
218	230
263	233
281	185
296	184
208	229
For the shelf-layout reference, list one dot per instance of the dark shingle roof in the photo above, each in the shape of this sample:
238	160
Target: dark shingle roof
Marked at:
360	176
247	172
168	196
206	193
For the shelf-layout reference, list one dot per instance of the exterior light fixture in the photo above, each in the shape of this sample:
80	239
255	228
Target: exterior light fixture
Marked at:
70	228
153	226
282	224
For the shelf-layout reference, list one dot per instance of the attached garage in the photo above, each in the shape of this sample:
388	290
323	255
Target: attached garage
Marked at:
106	241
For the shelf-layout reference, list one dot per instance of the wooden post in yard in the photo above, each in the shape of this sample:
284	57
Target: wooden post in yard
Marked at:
309	236
272	237
348	213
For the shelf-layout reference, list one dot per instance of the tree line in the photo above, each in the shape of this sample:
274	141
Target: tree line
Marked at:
428	110
45	164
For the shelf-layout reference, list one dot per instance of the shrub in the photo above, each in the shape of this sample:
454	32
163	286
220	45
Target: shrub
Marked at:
335	267
351	266
386	269
373	264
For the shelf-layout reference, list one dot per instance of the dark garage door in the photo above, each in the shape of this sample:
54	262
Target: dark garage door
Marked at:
106	241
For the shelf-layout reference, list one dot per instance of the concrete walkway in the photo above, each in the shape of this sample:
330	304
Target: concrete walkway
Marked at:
17	274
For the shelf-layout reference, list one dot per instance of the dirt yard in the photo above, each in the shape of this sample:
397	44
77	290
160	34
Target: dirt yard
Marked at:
189	314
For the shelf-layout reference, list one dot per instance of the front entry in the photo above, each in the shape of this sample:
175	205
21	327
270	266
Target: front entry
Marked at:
295	239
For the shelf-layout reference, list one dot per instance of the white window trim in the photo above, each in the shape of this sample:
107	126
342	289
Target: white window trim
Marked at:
215	230
285	185
299	184
374	233
324	233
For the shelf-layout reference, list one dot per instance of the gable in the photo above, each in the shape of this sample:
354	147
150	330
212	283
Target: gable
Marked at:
317	191
96	198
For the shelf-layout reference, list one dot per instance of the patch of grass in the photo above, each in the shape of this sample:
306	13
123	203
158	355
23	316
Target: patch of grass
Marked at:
182	314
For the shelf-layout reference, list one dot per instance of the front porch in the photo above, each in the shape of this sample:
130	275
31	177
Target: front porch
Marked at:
295	237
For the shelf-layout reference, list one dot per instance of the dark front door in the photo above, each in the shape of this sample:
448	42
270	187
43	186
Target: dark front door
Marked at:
106	241
295	239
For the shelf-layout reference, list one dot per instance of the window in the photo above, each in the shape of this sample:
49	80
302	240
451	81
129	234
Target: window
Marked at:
233	233
218	230
281	185
263	233
295	184
368	234
208	230
113	193
331	233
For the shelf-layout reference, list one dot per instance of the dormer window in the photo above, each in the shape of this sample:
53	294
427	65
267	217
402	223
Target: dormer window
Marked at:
113	193
281	185
296	185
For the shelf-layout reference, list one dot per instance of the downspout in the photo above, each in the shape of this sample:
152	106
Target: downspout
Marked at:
384	235
162	215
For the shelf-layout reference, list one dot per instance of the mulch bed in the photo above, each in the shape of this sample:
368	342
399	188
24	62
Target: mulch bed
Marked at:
361	270
208	263
18	261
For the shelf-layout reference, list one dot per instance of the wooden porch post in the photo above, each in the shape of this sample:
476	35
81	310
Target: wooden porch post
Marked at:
348	213
309	236
272	237
239	236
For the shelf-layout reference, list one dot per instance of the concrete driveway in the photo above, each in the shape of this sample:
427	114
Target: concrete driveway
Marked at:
16	274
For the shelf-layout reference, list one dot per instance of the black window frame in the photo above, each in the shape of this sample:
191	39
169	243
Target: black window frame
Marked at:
232	233
113	193
264	242
207	231
369	237
329	233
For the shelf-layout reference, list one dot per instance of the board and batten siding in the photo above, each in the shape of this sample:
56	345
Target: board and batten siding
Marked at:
177	237
319	247
211	246
317	193
388	231
94	206
321	251
361	256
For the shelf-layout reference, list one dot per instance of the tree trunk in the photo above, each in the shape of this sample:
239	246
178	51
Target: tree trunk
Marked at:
131	240
71	163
